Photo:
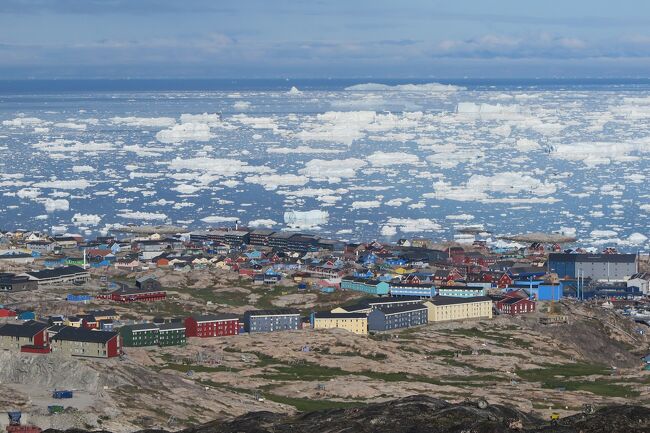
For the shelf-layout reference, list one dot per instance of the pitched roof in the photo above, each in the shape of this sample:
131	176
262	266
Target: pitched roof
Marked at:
214	317
452	300
329	315
27	329
276	312
84	335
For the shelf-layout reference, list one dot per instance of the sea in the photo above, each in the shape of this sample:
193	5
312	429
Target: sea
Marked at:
350	159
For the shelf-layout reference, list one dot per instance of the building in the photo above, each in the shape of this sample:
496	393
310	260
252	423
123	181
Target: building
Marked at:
23	337
41	246
104	315
367	305
213	325
260	237
513	305
172	334
616	267
16	283
88	343
372	287
443	308
640	280
356	323
282	319
130	294
410	289
148	283
461	291
145	334
65	274
386	319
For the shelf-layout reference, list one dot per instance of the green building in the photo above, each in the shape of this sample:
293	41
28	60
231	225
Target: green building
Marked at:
171	334
142	335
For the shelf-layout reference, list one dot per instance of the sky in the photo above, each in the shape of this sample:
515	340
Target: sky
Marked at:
319	39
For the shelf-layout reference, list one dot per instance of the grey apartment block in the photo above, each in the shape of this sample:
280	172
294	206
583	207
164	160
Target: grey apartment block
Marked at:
271	320
385	319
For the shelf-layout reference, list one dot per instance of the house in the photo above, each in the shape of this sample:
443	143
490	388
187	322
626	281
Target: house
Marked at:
373	287
282	319
41	246
128	263
148	283
103	315
386	319
145	334
66	241
65	274
172	334
356	323
6	312
86	342
73	322
213	325
30	336
513	305
16	283
443	308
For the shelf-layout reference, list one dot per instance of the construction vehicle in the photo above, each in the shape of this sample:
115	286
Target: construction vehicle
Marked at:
555	417
15	426
55	408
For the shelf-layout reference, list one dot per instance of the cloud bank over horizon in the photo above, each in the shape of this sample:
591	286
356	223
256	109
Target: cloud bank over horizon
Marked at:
199	38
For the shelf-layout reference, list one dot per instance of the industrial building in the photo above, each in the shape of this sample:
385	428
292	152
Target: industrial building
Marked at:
16	283
604	267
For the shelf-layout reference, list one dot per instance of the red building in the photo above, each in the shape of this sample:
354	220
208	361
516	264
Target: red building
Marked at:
213	325
129	294
514	305
5	312
504	281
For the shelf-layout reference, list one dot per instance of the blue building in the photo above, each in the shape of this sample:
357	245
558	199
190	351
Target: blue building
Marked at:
282	319
539	290
595	266
373	287
408	289
461	291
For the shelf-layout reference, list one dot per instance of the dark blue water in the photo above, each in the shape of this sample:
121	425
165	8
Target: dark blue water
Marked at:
332	84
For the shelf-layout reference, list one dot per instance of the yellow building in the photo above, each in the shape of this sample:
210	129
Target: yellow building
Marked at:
443	308
356	323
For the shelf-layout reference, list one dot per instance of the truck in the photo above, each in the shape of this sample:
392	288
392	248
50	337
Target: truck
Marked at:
62	394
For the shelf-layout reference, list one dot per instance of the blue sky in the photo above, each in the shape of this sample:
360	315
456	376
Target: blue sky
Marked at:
353	38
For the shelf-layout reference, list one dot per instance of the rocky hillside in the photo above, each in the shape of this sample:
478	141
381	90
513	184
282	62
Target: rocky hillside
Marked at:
422	414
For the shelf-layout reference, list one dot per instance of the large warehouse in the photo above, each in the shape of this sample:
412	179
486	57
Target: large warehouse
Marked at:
610	267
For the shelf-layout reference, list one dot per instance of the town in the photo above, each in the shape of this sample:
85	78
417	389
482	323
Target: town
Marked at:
404	285
191	296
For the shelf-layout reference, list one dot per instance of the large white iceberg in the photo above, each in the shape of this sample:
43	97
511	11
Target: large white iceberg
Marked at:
306	219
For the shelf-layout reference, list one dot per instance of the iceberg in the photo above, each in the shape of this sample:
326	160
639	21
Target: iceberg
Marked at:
306	219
